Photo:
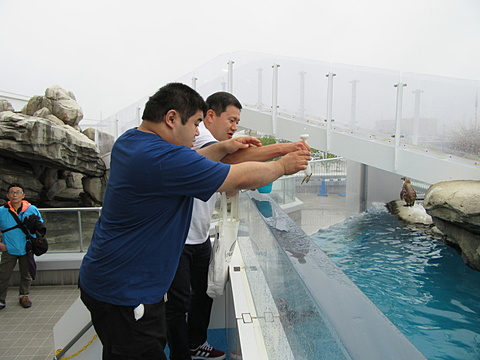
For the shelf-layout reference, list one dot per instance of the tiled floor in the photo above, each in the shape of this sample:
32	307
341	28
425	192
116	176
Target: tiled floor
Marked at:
27	334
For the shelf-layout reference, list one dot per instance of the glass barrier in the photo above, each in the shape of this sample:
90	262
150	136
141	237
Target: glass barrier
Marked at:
365	100
438	113
295	286
265	252
442	114
69	229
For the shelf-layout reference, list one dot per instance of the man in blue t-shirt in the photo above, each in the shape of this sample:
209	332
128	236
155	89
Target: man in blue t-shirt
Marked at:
147	208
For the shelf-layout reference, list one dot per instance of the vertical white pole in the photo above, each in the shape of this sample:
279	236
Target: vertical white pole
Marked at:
260	88
274	98
398	122
329	107
302	95
476	110
117	124
230	76
416	116
194	83
353	110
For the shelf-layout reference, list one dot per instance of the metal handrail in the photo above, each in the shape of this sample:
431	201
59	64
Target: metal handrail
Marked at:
79	211
73	341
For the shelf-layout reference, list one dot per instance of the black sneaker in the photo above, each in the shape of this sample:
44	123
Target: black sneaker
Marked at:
2	306
206	351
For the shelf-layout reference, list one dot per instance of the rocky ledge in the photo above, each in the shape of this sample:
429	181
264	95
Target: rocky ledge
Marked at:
451	213
42	147
455	209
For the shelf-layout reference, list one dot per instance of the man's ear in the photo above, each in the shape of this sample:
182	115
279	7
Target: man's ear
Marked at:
170	117
209	116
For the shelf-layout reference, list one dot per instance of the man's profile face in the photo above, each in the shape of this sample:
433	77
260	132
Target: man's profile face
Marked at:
223	126
185	134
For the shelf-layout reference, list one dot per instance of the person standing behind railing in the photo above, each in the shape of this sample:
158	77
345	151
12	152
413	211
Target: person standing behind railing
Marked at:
146	214
13	245
189	307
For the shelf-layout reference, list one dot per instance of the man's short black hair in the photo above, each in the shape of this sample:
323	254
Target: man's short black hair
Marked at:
173	96
12	185
219	102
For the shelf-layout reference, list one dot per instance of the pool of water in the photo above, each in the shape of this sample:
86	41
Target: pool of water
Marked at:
420	284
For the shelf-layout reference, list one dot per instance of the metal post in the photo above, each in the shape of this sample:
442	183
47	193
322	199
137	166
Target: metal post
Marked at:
139	118
416	116
259	87
476	110
80	229
117	130
329	107
302	95
230	76
363	188
194	83
353	109
274	98
398	121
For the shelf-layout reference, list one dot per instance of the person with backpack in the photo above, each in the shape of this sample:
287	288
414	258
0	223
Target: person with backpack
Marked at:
13	244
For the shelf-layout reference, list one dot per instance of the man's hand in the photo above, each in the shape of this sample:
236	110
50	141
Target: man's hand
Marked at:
3	247
295	146
295	161
241	142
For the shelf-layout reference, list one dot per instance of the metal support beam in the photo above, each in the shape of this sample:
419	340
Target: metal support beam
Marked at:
274	98
329	107
260	88
398	122
302	95
416	116
230	76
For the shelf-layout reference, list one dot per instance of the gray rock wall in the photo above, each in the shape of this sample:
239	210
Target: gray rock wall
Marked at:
43	148
455	209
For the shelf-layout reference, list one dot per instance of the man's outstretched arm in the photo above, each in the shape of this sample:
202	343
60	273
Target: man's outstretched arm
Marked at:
264	153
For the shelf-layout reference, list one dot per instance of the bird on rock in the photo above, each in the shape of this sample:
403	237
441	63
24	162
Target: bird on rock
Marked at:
408	192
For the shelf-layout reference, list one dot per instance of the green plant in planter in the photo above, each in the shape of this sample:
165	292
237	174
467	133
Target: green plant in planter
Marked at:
267	140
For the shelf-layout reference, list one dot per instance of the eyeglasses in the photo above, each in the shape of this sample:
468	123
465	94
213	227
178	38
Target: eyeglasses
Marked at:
15	192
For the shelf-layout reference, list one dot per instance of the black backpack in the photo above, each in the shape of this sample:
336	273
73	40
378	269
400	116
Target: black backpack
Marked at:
37	244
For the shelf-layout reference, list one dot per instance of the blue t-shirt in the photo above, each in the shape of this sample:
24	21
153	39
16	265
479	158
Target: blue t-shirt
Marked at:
145	218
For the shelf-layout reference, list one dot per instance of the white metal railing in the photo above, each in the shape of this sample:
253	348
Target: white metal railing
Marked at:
70	229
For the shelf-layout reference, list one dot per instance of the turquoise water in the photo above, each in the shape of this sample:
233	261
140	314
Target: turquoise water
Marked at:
420	284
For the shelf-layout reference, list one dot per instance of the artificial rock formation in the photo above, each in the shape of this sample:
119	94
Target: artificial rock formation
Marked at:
455	209
43	148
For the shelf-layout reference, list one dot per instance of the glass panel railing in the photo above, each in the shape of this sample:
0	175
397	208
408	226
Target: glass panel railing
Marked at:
437	113
69	229
441	114
364	100
322	312
284	295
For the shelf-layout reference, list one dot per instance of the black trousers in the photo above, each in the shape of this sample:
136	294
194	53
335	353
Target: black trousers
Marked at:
188	295
123	337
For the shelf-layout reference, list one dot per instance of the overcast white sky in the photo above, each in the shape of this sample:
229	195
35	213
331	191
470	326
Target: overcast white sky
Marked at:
111	53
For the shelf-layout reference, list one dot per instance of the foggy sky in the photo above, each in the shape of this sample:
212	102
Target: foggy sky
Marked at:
112	53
